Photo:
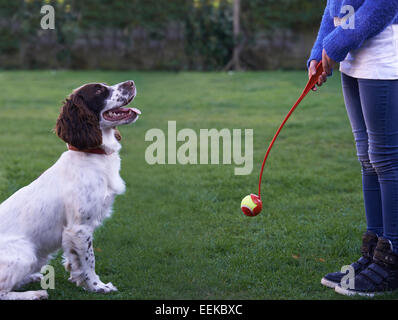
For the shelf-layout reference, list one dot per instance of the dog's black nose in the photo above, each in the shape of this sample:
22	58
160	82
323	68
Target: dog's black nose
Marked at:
129	83
127	86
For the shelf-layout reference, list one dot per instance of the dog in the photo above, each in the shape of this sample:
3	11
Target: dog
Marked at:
63	207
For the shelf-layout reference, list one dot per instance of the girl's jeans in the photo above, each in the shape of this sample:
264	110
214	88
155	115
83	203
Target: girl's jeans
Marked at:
372	107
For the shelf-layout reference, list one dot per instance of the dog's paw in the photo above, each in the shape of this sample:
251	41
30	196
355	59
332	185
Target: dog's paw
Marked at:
35	295
26	295
100	287
35	277
41	295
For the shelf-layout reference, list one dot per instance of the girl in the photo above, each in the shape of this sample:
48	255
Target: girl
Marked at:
365	42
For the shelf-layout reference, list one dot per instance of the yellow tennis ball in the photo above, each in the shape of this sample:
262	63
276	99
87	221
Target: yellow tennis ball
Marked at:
251	205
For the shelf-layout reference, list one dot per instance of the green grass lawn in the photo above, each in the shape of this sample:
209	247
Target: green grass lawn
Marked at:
178	232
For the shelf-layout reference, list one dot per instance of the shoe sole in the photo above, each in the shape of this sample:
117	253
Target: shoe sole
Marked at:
327	283
350	293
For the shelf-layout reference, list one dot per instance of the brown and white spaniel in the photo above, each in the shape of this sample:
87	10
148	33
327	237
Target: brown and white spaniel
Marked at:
63	207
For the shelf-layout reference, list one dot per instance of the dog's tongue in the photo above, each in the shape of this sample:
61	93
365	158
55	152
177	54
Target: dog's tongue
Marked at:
137	111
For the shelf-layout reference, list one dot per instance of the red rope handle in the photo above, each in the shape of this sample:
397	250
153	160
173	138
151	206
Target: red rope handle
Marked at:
311	83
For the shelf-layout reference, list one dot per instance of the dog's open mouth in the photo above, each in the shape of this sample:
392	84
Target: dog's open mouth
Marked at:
120	114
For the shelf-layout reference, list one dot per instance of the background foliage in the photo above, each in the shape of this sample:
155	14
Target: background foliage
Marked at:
191	34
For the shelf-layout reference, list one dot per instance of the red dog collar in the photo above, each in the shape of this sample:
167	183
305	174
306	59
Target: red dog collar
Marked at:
94	150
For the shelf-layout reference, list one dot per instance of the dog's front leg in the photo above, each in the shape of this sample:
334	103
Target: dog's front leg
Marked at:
77	243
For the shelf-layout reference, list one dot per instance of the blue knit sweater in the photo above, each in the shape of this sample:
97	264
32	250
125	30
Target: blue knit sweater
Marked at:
371	18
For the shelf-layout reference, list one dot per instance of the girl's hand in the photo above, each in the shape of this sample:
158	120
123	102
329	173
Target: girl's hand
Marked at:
312	71
327	63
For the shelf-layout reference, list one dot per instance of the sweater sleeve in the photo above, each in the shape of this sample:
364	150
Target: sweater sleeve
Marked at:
370	19
327	26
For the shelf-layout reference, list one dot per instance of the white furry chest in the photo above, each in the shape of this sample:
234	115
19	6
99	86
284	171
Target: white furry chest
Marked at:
95	182
115	184
96	173
111	174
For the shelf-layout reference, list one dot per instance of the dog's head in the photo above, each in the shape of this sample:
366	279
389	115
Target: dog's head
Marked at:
93	108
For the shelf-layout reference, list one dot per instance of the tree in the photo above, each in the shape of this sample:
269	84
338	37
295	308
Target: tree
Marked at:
234	63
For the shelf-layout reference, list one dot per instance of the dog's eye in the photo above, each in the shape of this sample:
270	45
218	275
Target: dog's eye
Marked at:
99	91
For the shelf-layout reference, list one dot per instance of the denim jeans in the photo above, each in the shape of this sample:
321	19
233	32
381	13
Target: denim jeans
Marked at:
372	107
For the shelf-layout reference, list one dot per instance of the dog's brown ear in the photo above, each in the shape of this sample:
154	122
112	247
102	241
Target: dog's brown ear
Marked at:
77	125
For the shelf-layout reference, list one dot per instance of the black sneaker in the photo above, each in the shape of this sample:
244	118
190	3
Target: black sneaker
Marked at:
379	277
369	242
